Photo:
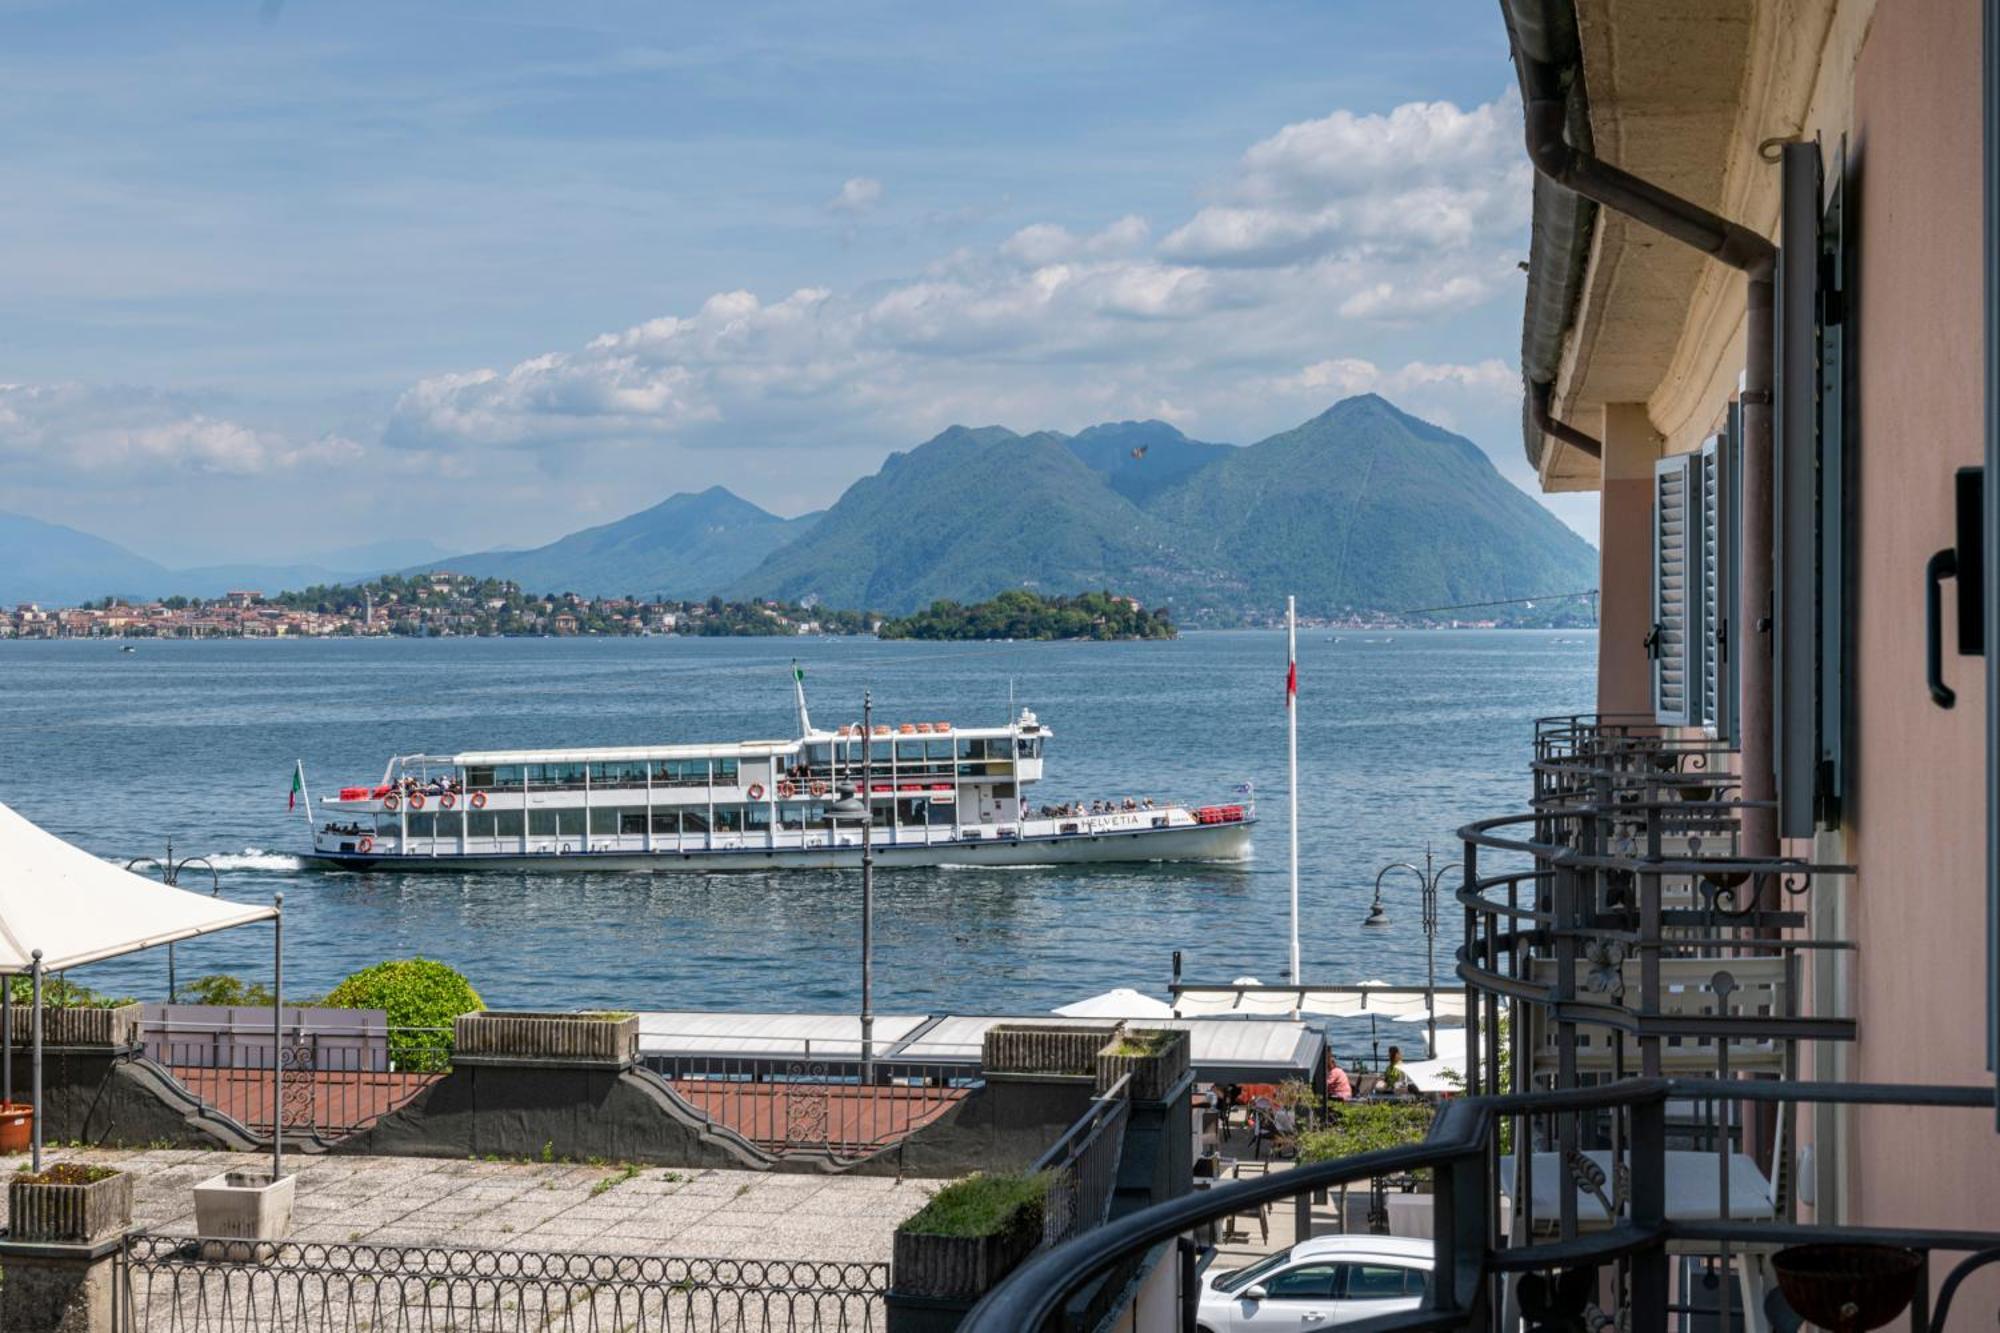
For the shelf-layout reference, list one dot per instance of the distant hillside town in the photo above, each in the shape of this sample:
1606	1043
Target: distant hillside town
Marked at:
436	604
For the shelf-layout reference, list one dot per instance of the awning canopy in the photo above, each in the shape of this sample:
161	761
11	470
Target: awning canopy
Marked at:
1365	999
78	909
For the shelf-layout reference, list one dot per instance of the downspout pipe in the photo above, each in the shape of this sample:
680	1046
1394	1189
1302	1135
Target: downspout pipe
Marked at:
1545	100
1540	393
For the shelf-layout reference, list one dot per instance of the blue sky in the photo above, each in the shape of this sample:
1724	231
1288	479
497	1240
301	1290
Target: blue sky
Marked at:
286	278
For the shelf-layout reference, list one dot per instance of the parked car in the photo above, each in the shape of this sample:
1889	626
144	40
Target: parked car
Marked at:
1320	1283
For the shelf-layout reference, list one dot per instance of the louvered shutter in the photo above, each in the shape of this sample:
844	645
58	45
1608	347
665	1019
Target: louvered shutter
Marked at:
1718	582
1676	636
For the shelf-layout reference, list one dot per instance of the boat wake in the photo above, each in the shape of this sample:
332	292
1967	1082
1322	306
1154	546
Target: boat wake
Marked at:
255	858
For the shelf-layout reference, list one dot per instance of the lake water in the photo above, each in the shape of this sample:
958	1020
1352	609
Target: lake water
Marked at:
1402	738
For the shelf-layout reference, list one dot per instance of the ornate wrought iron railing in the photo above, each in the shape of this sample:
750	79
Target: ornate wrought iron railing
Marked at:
204	1286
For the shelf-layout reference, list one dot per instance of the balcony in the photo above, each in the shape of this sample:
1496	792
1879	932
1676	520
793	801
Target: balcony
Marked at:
1643	996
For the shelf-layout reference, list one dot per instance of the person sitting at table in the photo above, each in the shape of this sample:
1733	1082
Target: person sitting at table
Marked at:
1395	1078
1338	1085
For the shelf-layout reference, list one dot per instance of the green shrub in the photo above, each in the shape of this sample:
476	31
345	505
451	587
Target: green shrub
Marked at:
1359	1127
221	988
422	997
983	1205
60	994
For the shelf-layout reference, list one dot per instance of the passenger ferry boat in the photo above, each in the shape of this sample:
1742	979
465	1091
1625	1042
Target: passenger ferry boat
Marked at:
939	794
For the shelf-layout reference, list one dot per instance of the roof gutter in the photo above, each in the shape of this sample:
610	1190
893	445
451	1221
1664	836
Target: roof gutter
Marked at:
1540	392
1542	33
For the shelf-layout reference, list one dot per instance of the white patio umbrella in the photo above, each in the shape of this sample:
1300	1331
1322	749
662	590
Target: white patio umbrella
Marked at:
61	907
1123	1002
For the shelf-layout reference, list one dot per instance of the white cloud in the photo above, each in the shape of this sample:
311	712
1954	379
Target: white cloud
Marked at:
85	428
1338	377
857	194
1396	220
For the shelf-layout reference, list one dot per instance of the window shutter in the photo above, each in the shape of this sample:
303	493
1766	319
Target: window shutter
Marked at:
1718	582
1676	637
1795	714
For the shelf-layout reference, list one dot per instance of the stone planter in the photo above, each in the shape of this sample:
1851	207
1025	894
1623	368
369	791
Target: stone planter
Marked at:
63	1206
118	1027
1155	1073
962	1267
548	1038
1020	1048
242	1206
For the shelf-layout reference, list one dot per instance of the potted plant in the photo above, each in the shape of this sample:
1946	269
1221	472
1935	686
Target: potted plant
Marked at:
69	1203
1156	1058
599	1037
970	1235
243	1206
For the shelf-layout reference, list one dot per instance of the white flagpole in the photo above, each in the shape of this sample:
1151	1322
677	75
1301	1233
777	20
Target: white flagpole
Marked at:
1292	757
305	792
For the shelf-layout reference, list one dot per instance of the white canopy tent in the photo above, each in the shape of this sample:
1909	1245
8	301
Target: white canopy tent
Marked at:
1124	1002
62	907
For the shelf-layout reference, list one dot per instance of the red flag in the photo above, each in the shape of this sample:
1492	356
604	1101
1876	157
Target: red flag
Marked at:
1291	683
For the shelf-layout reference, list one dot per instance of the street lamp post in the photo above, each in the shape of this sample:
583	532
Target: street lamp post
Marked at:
170	875
1429	876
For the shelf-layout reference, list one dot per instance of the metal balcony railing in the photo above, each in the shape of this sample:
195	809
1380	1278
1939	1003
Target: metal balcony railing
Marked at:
1640	1209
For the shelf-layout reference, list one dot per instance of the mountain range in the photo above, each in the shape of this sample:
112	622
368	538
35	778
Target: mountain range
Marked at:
1364	506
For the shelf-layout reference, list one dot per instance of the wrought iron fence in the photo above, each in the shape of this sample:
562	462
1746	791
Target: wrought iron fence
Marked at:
173	1284
337	1081
817	1103
1084	1166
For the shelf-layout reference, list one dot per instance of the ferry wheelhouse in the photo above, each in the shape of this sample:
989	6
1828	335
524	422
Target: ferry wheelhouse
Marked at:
938	794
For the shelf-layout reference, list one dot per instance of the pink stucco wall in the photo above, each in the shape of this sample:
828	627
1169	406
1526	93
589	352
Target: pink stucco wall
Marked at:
1917	821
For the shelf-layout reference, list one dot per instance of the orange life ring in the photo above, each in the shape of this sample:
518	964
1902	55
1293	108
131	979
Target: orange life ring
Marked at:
366	845
416	800
785	789
479	800
447	801
390	802
756	791
819	789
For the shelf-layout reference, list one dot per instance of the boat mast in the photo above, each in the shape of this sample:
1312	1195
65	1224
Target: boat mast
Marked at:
799	692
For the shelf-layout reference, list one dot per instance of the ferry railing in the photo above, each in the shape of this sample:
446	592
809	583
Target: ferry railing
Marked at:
793	1097
1641	1212
338	1080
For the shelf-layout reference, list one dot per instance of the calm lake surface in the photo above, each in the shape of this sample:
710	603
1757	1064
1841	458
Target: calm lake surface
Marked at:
1402	738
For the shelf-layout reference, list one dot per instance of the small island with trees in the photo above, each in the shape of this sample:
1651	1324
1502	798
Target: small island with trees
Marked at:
1020	614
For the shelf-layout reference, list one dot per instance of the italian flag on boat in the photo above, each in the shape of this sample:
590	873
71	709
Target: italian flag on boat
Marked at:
298	784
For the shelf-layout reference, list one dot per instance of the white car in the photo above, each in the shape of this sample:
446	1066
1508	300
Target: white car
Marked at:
1320	1283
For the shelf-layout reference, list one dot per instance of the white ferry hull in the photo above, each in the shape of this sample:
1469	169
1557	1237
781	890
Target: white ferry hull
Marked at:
1206	842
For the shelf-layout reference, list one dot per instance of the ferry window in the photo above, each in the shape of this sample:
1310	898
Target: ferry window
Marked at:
1029	747
604	822
387	826
909	752
479	779
971	749
632	822
423	825
729	819
1003	789
694	821
570	822
565	775
448	823
819	756
507	824
940	750
541	823
757	818
792	816
725	773
479	823
666	821
505	776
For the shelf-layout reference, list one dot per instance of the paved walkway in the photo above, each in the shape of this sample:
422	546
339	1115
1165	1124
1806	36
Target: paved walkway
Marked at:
543	1206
